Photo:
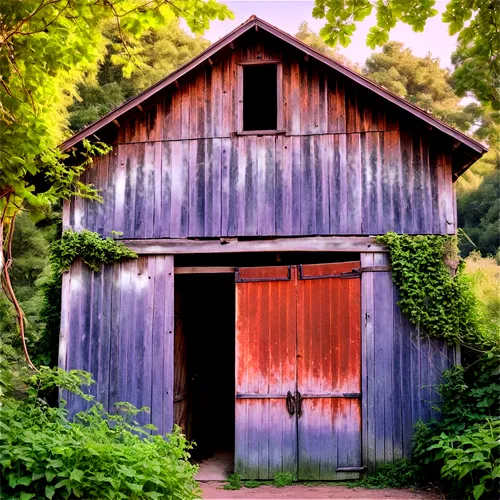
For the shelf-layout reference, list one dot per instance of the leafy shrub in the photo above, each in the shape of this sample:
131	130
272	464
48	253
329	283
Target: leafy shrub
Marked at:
399	474
472	459
470	423
252	483
233	482
98	455
283	479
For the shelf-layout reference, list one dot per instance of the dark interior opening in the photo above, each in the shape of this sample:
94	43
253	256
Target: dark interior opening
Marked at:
204	360
263	259
260	97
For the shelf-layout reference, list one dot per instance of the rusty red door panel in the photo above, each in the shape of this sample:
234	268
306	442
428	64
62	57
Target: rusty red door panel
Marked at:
329	370
266	311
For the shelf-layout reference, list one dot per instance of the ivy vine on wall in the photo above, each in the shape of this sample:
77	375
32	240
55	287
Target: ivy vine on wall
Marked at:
94	251
434	297
90	247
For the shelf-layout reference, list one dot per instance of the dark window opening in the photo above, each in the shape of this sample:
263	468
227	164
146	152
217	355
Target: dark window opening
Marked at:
260	97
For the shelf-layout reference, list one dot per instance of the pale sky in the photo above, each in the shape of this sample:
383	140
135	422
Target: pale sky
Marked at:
288	14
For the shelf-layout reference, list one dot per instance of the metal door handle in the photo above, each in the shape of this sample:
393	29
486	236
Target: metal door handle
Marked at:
290	404
298	398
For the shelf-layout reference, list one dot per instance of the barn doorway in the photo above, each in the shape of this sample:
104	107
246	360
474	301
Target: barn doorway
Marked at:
236	314
204	360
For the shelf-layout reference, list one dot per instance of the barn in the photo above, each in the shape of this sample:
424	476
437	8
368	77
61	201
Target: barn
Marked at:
260	315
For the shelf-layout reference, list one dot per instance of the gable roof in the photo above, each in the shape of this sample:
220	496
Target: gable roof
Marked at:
477	148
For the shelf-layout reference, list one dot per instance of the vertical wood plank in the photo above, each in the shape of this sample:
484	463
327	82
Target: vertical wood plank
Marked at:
368	417
105	338
307	187
139	220
130	190
151	167
353	179
168	356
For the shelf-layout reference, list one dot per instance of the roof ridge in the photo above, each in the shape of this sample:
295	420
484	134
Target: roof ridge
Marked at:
253	20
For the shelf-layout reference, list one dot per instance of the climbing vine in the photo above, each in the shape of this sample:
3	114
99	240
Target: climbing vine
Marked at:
90	247
432	295
94	251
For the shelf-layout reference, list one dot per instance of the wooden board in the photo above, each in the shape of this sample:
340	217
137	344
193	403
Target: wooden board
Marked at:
328	370
323	184
401	370
118	324
265	434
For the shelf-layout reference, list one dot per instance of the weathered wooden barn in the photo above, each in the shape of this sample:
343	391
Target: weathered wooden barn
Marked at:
260	315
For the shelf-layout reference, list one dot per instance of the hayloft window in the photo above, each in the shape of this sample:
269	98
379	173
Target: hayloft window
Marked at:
260	94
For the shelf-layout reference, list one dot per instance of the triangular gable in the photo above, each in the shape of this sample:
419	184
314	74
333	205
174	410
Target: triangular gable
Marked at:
474	148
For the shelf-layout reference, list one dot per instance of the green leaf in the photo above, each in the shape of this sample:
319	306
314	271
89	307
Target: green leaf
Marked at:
478	491
76	475
26	496
127	471
24	480
49	475
49	491
136	488
153	494
496	472
376	36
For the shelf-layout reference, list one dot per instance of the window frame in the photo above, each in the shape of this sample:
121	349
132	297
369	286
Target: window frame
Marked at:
279	96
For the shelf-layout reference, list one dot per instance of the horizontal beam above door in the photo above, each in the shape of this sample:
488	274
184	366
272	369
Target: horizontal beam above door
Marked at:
233	245
204	270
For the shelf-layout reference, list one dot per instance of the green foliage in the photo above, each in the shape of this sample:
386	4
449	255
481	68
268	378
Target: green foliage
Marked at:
422	81
309	37
440	304
90	247
47	348
478	213
233	482
463	447
30	272
477	67
399	474
473	458
43	455
252	483
282	479
156	53
47	47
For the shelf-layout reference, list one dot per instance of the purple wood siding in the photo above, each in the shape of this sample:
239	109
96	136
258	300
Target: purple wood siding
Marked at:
359	184
118	325
401	370
349	162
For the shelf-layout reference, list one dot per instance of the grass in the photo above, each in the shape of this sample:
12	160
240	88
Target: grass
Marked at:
485	274
281	479
400	474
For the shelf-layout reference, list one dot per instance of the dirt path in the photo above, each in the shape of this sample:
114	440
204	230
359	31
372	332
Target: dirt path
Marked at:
214	490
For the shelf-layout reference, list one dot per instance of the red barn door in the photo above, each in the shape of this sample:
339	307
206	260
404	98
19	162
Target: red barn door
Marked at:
265	432
298	371
328	371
